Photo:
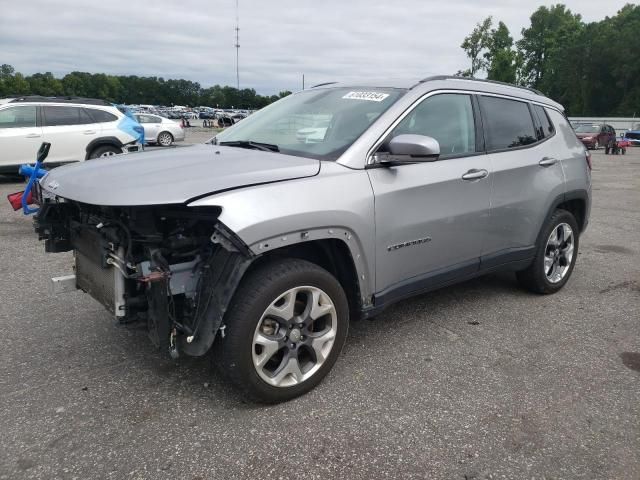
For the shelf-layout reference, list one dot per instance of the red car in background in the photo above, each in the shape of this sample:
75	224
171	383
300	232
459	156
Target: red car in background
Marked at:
596	135
621	146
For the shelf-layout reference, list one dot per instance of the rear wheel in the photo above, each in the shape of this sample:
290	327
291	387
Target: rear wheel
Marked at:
165	139
284	330
555	255
105	151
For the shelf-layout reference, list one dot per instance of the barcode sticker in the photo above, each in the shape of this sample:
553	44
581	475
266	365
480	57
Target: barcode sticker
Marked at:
369	96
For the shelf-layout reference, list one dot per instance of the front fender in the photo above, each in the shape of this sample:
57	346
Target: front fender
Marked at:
336	204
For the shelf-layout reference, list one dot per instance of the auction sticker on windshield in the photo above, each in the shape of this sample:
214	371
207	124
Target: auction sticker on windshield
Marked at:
370	96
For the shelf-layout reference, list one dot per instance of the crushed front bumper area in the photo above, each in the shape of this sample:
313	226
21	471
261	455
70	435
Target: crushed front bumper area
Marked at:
172	267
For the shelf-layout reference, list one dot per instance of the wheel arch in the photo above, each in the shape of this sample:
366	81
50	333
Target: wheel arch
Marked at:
577	202
329	253
101	142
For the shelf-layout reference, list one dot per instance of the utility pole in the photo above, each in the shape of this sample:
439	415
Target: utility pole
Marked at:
303	81
237	45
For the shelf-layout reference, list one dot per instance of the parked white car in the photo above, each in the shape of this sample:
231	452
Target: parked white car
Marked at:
78	129
160	130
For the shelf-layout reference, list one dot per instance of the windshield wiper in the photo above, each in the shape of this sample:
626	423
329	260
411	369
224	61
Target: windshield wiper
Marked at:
266	147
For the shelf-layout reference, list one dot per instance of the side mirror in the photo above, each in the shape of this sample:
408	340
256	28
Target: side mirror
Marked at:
414	146
407	149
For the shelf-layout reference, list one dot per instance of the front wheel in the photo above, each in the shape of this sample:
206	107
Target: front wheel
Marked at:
555	256
284	330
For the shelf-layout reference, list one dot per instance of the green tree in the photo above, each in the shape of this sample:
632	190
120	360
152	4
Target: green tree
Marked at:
550	30
500	56
475	45
44	84
593	69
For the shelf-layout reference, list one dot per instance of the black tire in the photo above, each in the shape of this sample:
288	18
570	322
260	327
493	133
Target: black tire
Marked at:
624	151
104	150
165	139
262	286
534	277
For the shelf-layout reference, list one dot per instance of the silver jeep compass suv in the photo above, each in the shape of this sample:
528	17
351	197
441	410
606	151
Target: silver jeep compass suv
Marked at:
331	203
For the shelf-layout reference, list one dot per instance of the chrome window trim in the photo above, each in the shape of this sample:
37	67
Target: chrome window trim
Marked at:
418	101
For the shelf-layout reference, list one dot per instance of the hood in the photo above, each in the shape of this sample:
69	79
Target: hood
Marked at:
172	176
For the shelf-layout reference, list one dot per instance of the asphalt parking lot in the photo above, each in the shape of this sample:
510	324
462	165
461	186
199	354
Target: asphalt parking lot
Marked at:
476	381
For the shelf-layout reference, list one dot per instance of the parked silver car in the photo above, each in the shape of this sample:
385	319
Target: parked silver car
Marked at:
160	130
264	245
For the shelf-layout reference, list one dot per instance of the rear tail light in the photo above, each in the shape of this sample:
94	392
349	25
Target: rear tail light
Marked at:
15	199
588	159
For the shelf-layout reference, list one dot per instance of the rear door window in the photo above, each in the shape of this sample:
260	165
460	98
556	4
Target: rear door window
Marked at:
507	123
55	116
18	117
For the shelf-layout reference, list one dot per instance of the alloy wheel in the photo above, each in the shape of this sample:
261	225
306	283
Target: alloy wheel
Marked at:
559	253
165	139
294	336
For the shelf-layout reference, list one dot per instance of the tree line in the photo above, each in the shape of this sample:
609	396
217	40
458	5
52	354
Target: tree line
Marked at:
131	89
593	69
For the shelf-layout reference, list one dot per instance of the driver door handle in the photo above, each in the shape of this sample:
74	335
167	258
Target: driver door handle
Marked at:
475	174
547	162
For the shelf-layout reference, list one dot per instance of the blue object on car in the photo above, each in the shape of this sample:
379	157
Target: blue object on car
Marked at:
34	173
130	125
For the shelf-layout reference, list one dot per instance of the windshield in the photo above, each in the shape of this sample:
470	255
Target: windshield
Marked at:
588	129
317	123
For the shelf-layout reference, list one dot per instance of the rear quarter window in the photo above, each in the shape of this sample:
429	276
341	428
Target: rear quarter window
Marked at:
507	123
100	116
546	127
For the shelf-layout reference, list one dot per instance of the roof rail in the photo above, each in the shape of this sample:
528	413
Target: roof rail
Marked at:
484	80
323	84
66	99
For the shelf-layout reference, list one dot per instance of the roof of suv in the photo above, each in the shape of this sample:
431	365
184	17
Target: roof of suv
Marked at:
41	99
453	82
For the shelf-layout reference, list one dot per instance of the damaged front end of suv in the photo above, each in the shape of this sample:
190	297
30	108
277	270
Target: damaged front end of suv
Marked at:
172	267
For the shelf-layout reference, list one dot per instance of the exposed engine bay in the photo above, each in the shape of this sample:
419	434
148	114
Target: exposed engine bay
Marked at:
172	267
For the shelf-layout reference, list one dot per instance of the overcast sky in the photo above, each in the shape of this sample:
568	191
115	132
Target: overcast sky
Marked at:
280	39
